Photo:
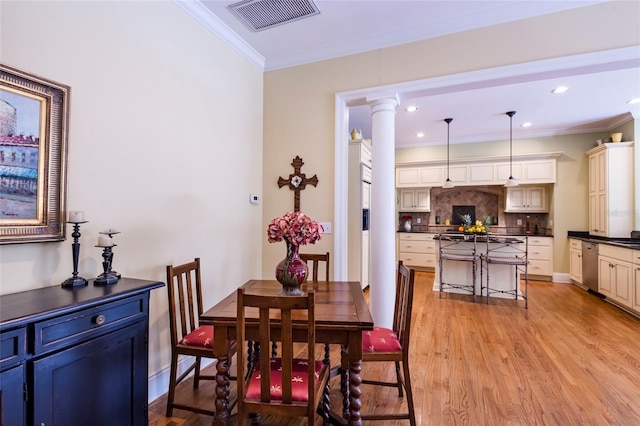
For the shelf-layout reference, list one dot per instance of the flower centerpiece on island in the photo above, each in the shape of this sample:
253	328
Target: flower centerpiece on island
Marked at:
406	218
468	227
296	229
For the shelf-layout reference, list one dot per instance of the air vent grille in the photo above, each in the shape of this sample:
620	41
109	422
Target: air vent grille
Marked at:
260	15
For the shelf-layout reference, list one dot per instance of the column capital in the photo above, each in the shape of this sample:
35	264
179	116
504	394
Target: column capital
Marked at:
387	101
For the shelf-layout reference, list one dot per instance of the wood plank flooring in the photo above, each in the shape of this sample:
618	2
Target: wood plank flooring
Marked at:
570	359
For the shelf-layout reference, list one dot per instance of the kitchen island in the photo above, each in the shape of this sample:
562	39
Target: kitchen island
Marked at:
505	278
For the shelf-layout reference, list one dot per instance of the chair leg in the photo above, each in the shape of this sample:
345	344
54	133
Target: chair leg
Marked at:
399	380
327	358
441	275
196	373
407	383
172	384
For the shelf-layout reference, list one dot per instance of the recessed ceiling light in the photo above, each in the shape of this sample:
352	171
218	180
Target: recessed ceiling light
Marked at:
420	135
634	101
527	124
560	89
411	108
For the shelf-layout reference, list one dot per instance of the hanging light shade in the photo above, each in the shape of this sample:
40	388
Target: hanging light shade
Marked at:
448	183
511	182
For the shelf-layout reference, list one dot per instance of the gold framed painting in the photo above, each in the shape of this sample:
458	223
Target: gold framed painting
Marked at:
34	121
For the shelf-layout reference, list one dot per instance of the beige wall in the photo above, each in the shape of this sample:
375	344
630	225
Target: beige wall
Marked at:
165	145
299	101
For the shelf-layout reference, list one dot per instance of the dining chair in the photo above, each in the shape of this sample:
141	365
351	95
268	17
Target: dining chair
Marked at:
392	345
188	338
315	259
458	248
508	251
284	386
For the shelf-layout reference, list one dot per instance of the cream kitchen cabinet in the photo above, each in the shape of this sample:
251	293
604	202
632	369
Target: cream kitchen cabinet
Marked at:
414	200
635	262
611	190
575	260
411	177
615	279
532	199
540	256
539	169
417	249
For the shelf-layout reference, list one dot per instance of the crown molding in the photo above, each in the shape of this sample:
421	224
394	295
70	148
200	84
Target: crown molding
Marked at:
212	23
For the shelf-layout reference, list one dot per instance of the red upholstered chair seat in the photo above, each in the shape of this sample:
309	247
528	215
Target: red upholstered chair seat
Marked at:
380	340
201	336
299	383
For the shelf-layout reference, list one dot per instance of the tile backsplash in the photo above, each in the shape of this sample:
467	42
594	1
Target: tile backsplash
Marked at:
489	201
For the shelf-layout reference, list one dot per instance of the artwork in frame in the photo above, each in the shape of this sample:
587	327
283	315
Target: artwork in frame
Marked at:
34	121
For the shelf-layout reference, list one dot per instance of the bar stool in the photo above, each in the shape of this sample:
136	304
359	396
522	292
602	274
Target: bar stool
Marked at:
509	251
459	248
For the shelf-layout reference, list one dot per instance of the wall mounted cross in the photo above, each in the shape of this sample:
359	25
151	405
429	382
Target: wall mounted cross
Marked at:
297	182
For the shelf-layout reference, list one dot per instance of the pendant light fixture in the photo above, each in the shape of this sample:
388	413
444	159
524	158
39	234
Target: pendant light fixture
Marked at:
511	182
448	184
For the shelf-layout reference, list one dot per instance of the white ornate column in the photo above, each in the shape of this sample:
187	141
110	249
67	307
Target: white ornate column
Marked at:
382	230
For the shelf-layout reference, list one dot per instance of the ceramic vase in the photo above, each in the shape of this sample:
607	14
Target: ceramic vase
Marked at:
292	271
407	225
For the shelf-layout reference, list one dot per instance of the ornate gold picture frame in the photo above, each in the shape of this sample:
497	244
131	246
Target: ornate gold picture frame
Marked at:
34	121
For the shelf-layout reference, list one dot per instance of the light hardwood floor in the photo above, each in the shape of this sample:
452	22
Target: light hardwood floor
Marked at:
570	359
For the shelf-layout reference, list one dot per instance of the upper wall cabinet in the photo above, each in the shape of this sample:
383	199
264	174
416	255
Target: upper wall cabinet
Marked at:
531	169
533	199
414	200
415	177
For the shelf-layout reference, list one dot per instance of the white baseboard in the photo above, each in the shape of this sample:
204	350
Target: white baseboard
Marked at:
561	277
159	381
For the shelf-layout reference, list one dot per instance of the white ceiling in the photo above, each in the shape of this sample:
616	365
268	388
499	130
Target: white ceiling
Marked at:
596	101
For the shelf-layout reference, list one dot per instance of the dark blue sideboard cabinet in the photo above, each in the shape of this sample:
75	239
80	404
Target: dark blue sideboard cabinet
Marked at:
75	357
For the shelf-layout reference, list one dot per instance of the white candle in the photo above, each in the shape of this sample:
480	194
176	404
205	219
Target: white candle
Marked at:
76	216
104	241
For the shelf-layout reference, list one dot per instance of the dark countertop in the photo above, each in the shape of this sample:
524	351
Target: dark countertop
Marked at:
619	242
461	233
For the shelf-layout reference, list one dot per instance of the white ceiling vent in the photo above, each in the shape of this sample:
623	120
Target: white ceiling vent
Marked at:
259	15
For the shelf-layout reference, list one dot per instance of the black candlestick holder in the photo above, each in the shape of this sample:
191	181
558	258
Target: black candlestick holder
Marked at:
108	276
111	233
75	280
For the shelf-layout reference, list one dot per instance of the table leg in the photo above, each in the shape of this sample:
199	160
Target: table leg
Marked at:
222	391
221	346
354	392
354	353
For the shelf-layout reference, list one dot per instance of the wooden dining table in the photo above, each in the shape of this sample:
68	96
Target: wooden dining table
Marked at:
341	314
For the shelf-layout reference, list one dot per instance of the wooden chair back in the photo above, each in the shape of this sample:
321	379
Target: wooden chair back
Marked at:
184	284
279	319
404	305
315	259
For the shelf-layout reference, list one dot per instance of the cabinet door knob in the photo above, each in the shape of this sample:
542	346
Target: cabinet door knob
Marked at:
100	319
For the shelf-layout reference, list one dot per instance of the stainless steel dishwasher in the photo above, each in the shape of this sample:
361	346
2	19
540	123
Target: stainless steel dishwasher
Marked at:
590	265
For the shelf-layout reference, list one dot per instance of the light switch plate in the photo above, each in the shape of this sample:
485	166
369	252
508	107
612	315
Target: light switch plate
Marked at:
326	226
519	222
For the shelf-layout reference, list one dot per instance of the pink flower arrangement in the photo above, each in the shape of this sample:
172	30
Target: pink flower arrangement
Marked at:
295	227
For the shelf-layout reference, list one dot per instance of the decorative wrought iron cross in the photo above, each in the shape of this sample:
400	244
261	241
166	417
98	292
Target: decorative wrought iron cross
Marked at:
297	181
